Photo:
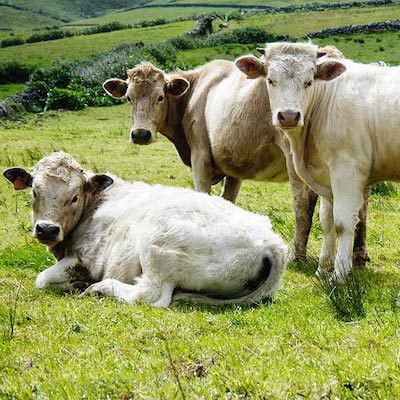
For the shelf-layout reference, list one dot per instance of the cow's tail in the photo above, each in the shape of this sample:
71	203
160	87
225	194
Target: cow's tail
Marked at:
255	290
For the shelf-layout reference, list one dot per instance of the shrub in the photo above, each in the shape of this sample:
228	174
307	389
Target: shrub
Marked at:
12	42
51	35
64	99
15	72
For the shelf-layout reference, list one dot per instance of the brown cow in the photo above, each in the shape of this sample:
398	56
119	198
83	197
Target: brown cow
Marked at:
216	119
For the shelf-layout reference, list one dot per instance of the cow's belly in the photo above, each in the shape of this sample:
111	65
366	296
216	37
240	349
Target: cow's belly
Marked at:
267	163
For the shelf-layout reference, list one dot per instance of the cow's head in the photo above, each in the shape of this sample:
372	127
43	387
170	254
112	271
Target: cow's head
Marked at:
290	70
61	190
146	90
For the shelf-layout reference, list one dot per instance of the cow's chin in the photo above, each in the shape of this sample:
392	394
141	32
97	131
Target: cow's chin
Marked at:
50	242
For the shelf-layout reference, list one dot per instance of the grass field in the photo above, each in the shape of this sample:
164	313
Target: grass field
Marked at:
55	346
10	88
299	23
44	53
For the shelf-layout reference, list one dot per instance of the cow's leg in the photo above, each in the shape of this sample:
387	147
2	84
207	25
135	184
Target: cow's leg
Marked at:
144	291
348	189
60	275
327	255
231	188
360	252
202	169
304	205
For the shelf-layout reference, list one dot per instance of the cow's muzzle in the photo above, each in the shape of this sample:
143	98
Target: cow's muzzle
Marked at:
47	233
288	118
141	136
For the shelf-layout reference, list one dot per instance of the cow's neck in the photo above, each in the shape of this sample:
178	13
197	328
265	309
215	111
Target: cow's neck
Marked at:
57	250
173	128
298	142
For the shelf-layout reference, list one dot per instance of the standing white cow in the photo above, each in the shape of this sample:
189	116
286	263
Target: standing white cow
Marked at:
220	124
139	242
342	122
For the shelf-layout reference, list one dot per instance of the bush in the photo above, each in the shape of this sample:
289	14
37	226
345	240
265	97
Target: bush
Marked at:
12	42
15	72
51	35
64	99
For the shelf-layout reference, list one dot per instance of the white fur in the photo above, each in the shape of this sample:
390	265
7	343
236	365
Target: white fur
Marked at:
140	242
348	136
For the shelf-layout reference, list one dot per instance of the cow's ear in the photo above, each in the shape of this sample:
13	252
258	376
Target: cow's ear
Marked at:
20	178
115	87
251	66
329	70
97	183
178	86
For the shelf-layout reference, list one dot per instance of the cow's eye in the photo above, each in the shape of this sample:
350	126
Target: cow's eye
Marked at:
34	194
161	98
271	82
128	98
75	199
308	84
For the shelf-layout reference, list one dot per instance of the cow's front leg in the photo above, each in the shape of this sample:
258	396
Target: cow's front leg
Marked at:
202	169
231	188
304	205
62	275
327	255
347	189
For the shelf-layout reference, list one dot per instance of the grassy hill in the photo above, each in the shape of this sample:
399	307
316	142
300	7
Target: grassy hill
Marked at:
25	14
295	24
22	15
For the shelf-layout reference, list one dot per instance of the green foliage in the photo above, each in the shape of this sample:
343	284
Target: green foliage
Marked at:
384	189
14	72
51	35
16	41
65	99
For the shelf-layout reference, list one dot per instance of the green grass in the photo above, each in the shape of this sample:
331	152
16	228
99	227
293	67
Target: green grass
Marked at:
44	53
55	346
299	23
10	88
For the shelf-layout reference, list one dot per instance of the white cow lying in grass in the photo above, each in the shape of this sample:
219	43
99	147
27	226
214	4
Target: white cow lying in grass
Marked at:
146	243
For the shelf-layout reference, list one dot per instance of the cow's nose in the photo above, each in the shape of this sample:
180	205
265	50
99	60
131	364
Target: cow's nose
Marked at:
289	118
45	231
140	136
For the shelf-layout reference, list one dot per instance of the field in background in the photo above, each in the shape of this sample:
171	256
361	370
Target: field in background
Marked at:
295	24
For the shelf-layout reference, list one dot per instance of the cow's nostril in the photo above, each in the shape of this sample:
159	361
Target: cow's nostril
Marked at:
288	118
141	136
46	231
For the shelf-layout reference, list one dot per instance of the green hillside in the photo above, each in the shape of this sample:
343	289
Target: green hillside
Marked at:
17	14
20	15
295	24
